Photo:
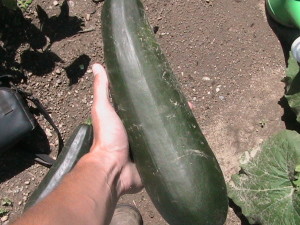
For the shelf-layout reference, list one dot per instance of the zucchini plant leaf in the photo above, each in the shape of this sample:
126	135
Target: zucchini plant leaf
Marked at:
292	81
267	188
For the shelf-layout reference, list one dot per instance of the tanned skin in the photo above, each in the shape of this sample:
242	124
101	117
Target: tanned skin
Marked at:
89	193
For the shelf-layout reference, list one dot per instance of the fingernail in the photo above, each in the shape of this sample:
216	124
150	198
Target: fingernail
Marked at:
94	68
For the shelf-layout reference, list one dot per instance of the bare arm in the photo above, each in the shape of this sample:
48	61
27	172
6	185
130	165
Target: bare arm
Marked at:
89	193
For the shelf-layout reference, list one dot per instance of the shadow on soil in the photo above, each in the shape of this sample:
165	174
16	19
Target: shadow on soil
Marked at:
237	210
14	162
289	116
17	31
285	35
59	27
77	69
22	156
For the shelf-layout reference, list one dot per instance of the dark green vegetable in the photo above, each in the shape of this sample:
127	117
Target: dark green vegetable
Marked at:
177	166
78	144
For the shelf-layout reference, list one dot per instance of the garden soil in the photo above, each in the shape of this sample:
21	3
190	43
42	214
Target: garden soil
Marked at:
226	57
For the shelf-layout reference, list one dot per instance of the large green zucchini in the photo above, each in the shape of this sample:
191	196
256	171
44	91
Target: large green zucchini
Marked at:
77	145
177	166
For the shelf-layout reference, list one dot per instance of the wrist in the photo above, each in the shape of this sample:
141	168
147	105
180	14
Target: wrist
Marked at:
107	167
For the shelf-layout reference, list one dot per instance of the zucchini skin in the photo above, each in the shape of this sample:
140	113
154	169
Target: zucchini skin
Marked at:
77	145
176	164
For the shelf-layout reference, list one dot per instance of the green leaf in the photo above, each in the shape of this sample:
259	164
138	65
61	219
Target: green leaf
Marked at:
81	67
297	169
266	188
292	81
3	212
24	4
297	183
292	73
89	121
6	202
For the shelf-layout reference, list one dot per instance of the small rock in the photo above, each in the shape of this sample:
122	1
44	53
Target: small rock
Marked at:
71	4
55	3
48	132
20	202
59	81
217	90
58	71
206	78
88	17
27	182
151	214
221	98
4	218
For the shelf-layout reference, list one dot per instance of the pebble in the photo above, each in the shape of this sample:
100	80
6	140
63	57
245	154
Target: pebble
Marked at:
206	78
48	132
27	182
4	218
58	71
217	90
151	214
55	3
88	17
71	4
20	202
222	98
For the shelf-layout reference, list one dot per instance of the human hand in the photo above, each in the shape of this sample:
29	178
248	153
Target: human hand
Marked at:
110	137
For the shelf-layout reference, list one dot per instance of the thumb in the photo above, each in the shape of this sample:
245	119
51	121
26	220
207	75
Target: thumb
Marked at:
101	92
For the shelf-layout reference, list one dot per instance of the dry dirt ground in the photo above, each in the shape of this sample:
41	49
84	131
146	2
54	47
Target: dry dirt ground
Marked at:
224	53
